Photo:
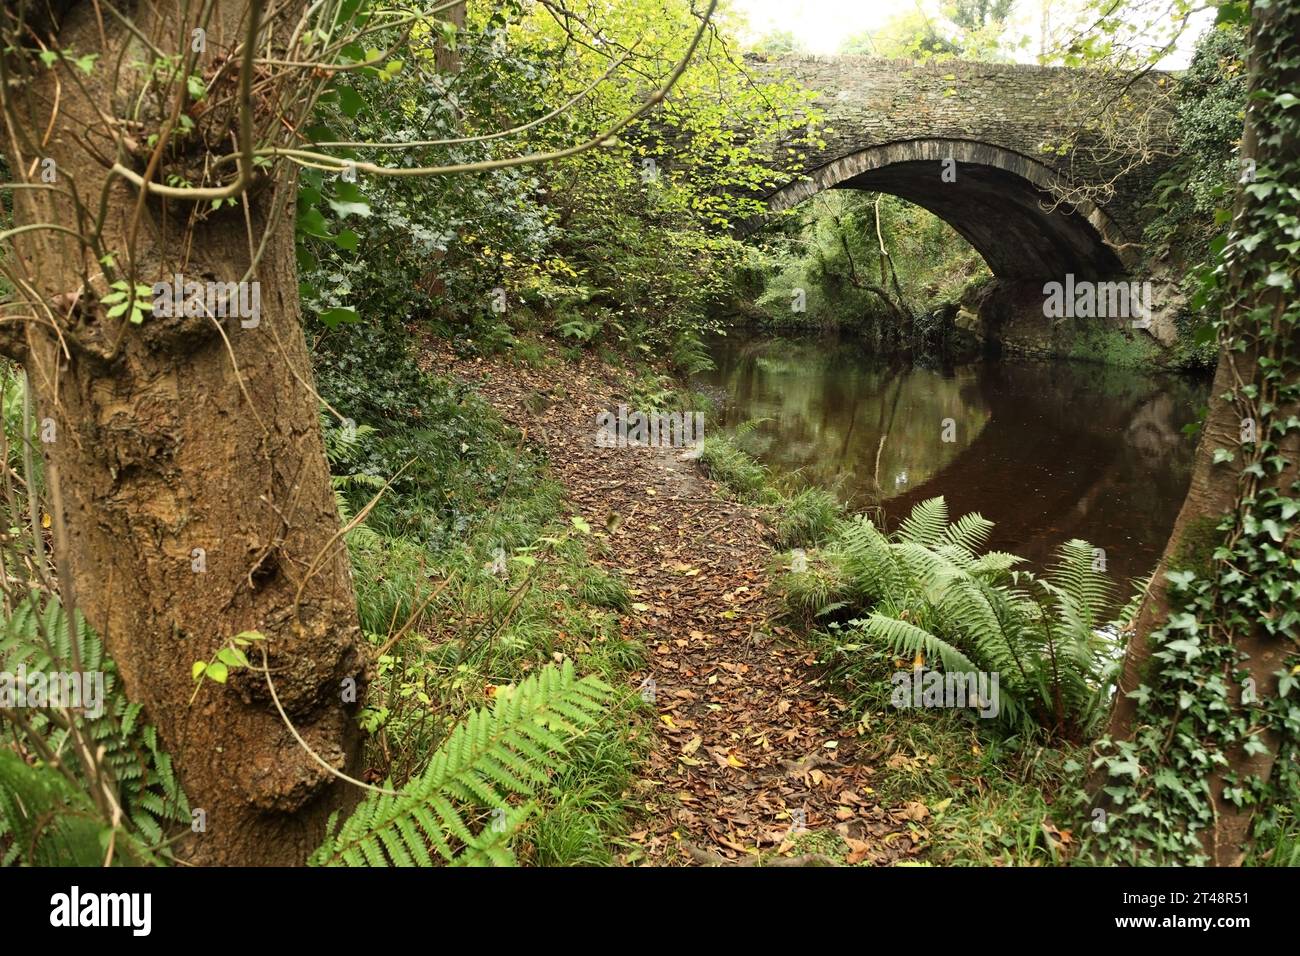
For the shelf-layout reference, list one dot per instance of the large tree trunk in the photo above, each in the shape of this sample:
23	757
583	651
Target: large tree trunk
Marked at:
1215	488
189	463
1211	495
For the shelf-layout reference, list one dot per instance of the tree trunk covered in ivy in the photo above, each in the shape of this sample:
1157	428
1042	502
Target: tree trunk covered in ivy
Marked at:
188	455
1216	632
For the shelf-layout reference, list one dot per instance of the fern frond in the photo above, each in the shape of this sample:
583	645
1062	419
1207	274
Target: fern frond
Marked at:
866	558
926	524
50	822
905	639
1085	590
39	636
994	564
748	425
969	532
508	750
929	570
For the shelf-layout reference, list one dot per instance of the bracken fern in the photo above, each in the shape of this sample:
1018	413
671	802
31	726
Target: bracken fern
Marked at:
497	760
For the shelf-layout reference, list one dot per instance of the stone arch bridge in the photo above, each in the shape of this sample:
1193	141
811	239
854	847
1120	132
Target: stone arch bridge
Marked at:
889	125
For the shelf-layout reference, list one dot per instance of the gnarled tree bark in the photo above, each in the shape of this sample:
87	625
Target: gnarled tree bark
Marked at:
195	492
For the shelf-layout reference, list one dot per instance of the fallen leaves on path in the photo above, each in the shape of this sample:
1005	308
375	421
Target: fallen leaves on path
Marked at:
752	748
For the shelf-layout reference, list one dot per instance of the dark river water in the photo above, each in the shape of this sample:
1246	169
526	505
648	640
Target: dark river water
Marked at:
1047	450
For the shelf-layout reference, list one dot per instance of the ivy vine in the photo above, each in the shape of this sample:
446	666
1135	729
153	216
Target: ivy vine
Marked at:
1197	703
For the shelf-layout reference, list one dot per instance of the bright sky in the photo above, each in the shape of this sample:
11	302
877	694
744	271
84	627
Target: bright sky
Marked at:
821	25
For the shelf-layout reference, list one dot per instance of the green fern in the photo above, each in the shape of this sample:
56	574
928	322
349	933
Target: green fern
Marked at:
907	640
1083	589
927	524
38	636
968	533
497	760
343	439
863	552
748	426
991	566
46	821
927	591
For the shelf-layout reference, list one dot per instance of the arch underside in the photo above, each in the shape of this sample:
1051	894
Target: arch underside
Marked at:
998	201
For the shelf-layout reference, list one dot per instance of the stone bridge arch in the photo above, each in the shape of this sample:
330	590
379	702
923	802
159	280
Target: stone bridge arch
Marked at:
999	200
889	124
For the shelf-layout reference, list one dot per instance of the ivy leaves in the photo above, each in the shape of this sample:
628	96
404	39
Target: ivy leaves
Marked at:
1199	706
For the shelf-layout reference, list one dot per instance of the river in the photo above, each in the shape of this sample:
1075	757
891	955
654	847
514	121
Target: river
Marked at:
1048	450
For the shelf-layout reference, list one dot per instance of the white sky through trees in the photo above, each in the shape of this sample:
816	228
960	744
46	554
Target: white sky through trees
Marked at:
821	26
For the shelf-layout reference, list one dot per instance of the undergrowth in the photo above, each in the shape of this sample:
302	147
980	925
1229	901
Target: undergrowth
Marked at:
798	516
474	582
498	720
989	796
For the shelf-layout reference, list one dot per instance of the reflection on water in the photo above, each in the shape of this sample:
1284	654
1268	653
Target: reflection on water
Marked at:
1047	450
